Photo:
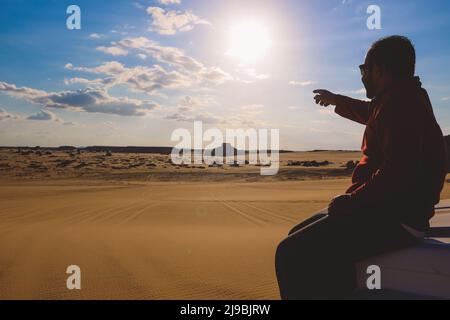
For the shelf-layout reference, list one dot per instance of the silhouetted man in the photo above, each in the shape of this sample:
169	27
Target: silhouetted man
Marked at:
394	187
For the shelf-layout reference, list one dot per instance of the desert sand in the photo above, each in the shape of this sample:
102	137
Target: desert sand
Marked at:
206	233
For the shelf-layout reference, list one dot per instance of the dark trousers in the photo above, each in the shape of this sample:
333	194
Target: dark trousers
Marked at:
318	258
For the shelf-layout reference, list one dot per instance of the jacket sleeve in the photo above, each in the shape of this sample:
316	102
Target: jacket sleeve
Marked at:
352	109
400	139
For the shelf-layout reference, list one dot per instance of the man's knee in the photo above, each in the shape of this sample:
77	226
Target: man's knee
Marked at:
281	254
285	254
291	250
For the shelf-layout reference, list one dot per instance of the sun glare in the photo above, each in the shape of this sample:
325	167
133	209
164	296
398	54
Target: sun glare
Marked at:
249	41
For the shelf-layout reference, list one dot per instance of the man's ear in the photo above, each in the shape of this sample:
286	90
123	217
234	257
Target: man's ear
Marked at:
377	71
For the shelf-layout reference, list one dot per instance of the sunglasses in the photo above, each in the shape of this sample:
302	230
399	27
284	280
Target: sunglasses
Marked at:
362	68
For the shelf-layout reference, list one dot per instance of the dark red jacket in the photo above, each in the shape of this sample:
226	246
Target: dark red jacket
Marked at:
404	161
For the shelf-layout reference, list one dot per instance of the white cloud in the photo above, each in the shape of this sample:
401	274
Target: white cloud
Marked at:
115	51
214	74
183	72
261	76
240	122
78	80
326	112
296	108
96	36
123	33
187	113
111	67
445	98
302	83
252	109
24	92
165	54
5	115
191	109
243	80
138	5
252	73
92	100
176	57
242	117
191	103
168	2
139	78
359	91
205	117
141	56
187	70
44	115
170	22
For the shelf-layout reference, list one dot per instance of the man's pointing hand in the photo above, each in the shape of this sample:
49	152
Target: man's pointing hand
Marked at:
325	97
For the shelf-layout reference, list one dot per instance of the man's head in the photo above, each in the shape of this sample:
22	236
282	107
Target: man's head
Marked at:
388	59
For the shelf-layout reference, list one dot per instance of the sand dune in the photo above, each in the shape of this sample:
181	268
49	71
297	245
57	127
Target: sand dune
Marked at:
149	240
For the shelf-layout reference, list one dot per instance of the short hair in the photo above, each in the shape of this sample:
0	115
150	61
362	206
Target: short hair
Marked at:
396	54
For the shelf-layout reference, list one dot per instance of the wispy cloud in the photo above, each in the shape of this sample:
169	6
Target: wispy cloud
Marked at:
138	5
326	112
296	107
164	54
96	36
139	78
210	118
251	74
191	103
5	115
78	80
170	22
113	50
358	92
44	115
168	2
302	83
141	56
251	110
206	117
173	56
192	108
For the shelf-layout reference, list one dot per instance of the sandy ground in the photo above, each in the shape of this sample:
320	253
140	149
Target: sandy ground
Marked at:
150	239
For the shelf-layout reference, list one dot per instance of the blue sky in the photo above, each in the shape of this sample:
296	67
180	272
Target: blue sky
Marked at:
137	70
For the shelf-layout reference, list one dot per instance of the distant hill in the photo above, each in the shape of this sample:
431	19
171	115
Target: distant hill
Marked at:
129	149
226	149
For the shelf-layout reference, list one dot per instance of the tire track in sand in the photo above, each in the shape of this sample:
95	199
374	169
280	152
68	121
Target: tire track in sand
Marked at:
270	213
253	220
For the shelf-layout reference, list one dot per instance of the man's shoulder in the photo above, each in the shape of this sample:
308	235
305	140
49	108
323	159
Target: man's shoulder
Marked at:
402	102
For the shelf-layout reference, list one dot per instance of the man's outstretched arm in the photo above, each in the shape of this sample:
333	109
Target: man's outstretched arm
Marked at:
352	109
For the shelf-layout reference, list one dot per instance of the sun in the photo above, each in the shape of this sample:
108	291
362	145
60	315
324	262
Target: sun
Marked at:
249	41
